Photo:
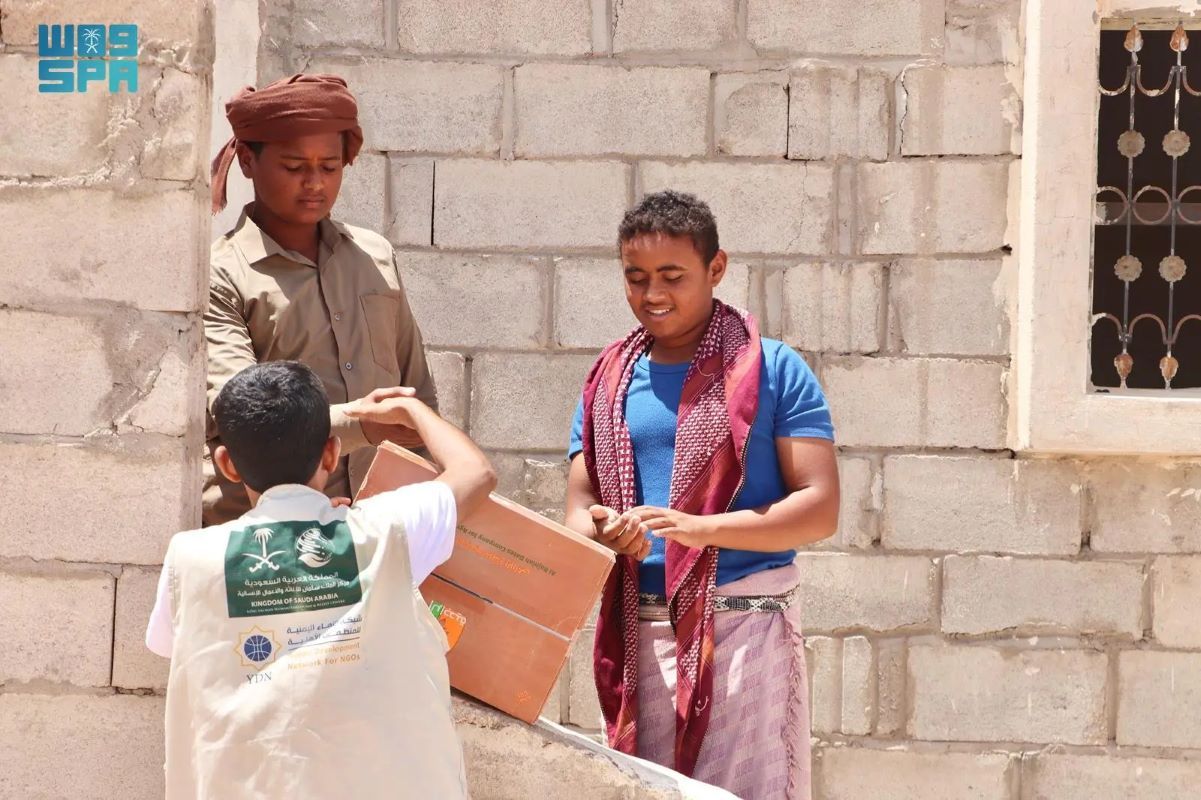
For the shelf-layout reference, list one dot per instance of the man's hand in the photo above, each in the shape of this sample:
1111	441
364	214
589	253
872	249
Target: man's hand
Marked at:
387	414
624	534
341	502
667	523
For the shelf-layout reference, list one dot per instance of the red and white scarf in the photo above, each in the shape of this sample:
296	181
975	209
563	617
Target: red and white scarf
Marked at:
717	409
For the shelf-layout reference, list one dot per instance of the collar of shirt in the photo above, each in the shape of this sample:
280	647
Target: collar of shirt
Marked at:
255	245
292	501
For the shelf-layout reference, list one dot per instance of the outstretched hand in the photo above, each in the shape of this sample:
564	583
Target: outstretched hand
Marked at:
624	534
387	414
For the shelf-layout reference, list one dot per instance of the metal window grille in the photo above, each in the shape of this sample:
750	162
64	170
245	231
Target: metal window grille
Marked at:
1146	322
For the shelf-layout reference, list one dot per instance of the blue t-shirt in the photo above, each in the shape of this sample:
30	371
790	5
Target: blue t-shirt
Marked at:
791	404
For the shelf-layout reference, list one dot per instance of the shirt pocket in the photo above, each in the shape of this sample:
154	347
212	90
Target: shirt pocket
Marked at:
382	313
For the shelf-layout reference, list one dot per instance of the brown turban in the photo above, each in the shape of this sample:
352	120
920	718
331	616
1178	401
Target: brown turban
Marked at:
301	105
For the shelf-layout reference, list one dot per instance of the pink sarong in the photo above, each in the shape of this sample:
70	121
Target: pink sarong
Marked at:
757	744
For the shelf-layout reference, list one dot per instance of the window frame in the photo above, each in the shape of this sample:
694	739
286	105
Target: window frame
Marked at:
1053	410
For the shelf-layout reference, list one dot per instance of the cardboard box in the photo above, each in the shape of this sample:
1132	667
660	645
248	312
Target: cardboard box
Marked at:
525	584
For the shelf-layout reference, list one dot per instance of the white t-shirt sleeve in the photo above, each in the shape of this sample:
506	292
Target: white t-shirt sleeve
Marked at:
160	635
429	515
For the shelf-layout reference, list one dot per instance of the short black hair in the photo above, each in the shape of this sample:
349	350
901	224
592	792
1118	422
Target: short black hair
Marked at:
674	214
274	420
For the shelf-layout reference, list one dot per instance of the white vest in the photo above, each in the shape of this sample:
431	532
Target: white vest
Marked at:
305	663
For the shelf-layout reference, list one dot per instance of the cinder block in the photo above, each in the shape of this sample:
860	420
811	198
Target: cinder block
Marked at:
71	398
87	513
969	504
170	403
553	710
1175	598
362	198
1053	776
544	487
505	295
868	28
359	23
579	109
751	113
858	510
983	32
933	402
529	204
959	111
838	112
985	594
892	704
948	308
926	207
81	746
412	210
450	376
845	592
1159	694
1145	507
519	27
506	416
160	25
652	26
833	307
417	106
857	773
122	259
59	628
760	208
858	686
173	144
583	707
823	658
134	666
76	120
1003	694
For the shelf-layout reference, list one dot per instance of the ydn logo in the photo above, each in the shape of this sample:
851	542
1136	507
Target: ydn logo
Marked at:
71	57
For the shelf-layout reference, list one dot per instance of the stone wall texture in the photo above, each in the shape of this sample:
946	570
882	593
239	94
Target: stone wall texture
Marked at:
985	624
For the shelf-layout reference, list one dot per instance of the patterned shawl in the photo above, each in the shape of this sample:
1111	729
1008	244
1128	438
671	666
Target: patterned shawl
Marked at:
717	408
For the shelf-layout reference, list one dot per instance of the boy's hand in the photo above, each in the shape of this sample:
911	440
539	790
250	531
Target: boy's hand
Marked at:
340	502
624	534
387	408
667	523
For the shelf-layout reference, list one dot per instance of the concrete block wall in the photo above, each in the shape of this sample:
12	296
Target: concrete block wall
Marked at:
982	626
105	236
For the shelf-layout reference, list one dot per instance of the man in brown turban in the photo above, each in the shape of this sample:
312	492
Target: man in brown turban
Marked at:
288	283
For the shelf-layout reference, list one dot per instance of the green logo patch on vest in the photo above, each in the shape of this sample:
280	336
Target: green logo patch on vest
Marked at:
285	567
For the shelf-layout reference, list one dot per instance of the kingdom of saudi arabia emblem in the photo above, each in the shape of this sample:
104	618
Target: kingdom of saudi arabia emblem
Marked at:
313	549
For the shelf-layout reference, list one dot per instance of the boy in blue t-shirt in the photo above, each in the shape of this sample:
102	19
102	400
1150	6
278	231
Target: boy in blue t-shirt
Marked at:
702	453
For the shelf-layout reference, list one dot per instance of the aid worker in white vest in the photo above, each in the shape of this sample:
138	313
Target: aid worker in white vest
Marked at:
304	661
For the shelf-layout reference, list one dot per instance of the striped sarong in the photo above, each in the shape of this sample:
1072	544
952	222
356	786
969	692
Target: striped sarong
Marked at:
757	743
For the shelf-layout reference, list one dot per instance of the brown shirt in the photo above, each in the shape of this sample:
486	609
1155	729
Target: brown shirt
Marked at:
346	317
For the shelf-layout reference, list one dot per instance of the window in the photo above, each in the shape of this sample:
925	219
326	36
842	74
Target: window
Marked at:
1146	326
1066	392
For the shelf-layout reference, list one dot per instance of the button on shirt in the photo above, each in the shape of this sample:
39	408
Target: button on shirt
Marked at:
345	316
